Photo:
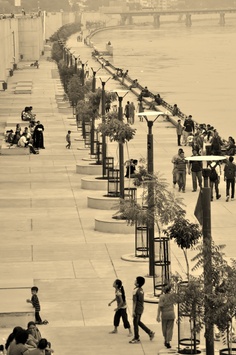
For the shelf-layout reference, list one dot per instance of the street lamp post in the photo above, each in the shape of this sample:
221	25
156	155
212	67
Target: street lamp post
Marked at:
92	123
121	94
205	211
104	147
151	117
94	78
82	73
76	65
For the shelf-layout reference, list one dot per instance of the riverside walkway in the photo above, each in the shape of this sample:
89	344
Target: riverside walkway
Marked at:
47	231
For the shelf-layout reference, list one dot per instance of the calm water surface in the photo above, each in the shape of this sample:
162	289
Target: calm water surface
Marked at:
193	67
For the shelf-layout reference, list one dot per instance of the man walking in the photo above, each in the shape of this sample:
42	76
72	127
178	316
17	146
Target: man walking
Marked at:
195	168
181	164
229	177
188	128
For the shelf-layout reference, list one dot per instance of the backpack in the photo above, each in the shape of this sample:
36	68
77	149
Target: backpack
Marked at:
230	172
213	174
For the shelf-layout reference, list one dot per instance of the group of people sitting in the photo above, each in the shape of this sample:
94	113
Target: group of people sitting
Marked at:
31	136
27	341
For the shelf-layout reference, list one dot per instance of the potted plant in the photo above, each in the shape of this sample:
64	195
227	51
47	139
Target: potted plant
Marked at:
185	234
116	130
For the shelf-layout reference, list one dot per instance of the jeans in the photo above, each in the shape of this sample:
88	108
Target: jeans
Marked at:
230	183
137	323
181	179
196	176
216	184
37	317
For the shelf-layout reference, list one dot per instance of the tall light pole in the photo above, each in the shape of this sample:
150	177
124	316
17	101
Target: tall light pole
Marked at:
76	65
203	213
121	94
94	78
151	117
104	147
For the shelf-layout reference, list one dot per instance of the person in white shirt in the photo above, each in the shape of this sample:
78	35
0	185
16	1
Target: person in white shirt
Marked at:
23	142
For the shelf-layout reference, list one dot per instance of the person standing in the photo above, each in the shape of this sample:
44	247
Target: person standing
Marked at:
195	168
181	164
215	179
229	177
120	311
179	131
38	138
188	128
138	307
166	314
174	171
127	111
36	304
131	112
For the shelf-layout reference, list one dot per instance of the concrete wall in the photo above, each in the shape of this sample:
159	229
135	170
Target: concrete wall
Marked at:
9	47
25	37
30	37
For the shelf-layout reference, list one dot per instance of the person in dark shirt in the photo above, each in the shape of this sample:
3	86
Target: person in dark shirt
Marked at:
188	128
195	168
138	301
36	304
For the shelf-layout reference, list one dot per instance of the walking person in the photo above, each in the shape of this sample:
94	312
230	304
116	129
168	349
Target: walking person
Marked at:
181	164
195	169
120	311
166	314
138	307
179	131
68	139
175	170
229	177
215	179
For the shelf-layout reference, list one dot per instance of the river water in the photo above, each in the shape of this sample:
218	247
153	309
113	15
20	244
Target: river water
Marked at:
193	67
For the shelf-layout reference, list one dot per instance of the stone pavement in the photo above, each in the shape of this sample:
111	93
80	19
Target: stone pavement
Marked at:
47	231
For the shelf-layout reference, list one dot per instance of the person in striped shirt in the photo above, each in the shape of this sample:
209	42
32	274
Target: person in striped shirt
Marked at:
36	304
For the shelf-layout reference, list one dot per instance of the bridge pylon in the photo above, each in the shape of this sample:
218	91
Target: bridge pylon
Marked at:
188	20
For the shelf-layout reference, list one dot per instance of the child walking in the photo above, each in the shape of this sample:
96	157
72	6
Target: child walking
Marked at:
68	139
138	300
120	311
36	304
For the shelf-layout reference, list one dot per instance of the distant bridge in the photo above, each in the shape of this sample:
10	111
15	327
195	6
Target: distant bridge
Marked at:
127	17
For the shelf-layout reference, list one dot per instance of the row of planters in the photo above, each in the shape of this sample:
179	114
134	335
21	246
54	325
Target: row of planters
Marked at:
188	293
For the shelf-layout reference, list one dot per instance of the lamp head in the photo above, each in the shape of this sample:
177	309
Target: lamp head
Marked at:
121	93
151	116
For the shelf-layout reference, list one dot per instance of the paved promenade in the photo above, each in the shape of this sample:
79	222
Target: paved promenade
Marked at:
47	232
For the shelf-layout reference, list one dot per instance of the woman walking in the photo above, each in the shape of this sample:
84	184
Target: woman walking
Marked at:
166	315
120	311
